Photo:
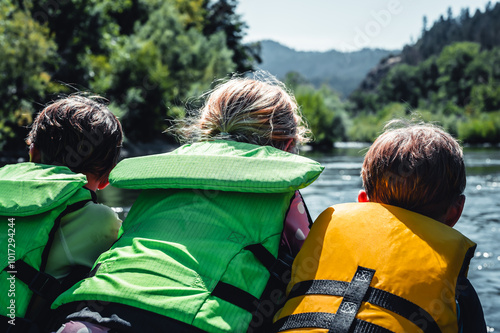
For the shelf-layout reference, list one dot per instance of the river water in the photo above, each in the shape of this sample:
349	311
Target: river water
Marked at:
340	182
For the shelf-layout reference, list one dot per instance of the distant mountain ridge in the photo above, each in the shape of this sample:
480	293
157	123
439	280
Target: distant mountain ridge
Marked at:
342	71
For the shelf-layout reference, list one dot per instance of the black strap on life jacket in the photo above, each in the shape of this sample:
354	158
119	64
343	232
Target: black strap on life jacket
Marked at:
45	287
349	308
236	296
40	283
273	295
324	320
352	298
277	267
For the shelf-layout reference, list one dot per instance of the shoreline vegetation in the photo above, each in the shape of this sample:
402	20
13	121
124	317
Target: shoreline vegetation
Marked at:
450	76
159	147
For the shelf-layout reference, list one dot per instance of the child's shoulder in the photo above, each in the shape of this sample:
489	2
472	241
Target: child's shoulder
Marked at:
97	213
92	220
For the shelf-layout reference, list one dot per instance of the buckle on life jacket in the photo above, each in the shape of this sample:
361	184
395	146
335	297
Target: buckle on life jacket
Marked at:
40	283
45	285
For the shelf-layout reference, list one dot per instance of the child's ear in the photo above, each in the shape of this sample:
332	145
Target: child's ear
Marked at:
103	183
289	145
454	211
362	196
35	155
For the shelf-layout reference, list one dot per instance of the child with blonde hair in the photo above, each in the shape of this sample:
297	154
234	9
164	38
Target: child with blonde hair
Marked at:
208	244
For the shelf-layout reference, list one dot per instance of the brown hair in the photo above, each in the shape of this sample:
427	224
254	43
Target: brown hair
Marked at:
418	167
78	132
258	111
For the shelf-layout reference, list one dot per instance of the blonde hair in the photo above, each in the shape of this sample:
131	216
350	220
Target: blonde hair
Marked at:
418	167
257	111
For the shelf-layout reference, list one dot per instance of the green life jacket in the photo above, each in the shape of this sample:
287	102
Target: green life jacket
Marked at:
33	198
190	242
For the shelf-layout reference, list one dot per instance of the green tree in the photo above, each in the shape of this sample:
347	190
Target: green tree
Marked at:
400	85
158	67
324	113
452	63
82	29
221	16
25	49
293	80
148	57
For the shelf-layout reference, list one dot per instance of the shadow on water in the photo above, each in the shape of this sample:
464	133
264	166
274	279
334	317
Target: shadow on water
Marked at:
340	182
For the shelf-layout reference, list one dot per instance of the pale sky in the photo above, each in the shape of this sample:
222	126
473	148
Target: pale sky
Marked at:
321	25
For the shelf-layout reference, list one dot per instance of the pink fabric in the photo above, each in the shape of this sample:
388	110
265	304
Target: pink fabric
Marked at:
81	327
296	226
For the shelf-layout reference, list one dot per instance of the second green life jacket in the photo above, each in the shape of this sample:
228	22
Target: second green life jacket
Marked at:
198	243
33	198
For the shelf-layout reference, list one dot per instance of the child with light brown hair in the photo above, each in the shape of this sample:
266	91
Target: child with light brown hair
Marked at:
392	262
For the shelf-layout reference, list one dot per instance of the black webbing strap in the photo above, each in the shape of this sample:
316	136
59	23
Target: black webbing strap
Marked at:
382	298
274	294
94	270
276	266
304	320
236	296
404	308
40	283
323	320
262	254
319	287
351	301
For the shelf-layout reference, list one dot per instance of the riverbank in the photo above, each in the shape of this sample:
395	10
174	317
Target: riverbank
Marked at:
158	147
128	150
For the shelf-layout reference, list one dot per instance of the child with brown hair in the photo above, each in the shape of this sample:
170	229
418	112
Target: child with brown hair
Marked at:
204	247
58	227
392	262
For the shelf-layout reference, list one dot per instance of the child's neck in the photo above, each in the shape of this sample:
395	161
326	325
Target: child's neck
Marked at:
92	184
95	183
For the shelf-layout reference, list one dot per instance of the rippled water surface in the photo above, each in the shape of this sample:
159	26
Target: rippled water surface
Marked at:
340	182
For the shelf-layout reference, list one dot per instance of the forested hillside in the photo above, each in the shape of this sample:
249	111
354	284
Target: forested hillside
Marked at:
147	57
451	75
150	58
342	71
482	28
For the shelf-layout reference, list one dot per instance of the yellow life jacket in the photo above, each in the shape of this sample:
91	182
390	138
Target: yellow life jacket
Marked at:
368	267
